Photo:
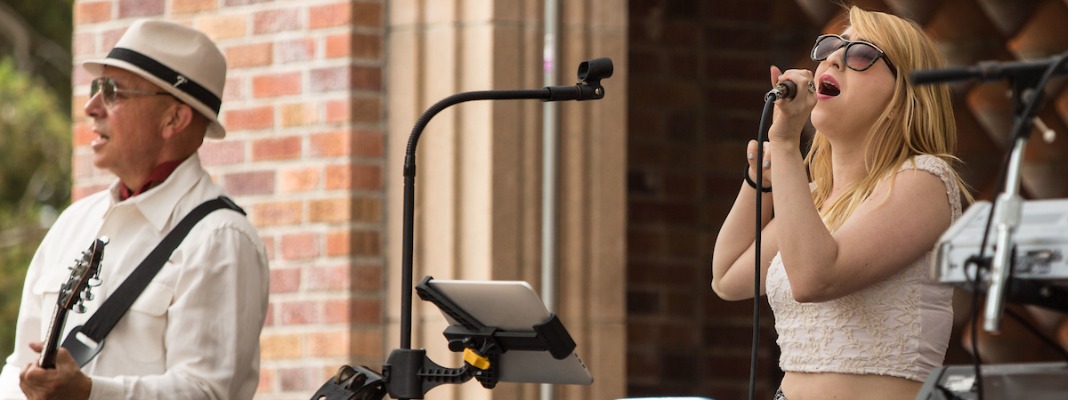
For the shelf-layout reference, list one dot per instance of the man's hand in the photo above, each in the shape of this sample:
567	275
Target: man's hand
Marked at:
66	381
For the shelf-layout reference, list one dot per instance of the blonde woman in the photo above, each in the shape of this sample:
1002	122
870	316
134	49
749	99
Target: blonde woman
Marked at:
845	256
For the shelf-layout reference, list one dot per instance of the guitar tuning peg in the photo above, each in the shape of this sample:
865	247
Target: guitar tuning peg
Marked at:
88	295
95	281
79	308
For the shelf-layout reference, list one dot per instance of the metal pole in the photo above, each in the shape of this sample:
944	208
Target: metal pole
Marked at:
550	131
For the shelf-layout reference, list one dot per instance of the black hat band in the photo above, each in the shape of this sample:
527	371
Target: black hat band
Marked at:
166	74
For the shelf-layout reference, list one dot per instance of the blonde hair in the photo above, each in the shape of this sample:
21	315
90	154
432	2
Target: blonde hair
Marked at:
918	120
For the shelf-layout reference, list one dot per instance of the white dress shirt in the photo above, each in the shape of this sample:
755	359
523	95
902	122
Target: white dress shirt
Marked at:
194	331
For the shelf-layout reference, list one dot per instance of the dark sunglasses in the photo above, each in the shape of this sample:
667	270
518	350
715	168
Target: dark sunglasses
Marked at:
859	55
108	87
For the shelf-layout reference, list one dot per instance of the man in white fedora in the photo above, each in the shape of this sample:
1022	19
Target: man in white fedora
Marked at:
192	331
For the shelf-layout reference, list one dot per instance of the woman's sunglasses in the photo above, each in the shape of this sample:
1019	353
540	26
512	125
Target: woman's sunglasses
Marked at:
859	55
111	91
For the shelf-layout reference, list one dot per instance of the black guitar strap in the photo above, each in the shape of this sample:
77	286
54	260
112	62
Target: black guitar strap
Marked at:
109	314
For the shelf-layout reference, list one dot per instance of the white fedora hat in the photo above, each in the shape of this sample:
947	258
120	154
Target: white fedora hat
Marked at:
180	60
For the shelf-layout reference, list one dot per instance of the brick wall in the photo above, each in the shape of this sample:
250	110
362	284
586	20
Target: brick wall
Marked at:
698	74
304	155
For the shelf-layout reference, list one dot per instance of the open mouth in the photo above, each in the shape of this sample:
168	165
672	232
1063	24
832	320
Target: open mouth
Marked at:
829	88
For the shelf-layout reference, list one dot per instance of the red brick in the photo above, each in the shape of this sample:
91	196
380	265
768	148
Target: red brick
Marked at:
329	79
244	2
329	15
368	144
298	114
366	243
367	15
366	311
110	38
84	44
297	50
193	6
277	214
273	21
91	12
284	148
249	183
140	8
328	279
356	177
299	313
83	134
222	152
267	381
328	344
227	26
280	346
307	379
329	144
330	210
367	343
234	90
300	246
274	85
366	78
367	277
337	243
366	110
338	111
298	180
250	55
268	243
82	166
338	45
367	46
285	280
249	118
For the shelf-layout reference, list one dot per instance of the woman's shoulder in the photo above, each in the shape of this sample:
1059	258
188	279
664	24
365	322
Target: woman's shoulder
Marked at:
930	163
940	167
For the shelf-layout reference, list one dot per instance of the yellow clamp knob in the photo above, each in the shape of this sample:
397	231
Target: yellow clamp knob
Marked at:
476	360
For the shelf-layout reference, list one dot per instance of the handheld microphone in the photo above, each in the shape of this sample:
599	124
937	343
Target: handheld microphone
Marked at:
784	90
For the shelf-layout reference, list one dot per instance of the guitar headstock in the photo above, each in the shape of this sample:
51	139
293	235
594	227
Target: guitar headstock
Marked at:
84	276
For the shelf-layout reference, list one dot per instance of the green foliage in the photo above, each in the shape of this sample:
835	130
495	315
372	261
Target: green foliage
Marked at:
38	33
34	180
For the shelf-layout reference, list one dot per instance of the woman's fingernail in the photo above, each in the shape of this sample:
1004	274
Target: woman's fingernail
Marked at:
749	156
767	164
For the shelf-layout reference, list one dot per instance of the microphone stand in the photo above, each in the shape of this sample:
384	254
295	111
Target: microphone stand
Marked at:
1027	80
409	373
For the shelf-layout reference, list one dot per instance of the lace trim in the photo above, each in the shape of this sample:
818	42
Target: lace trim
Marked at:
895	327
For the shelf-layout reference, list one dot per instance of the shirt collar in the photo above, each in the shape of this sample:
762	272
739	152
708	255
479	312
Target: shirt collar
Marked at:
158	205
158	175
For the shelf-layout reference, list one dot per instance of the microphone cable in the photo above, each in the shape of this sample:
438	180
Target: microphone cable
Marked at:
762	132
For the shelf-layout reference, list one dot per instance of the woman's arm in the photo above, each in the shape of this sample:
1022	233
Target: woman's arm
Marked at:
733	254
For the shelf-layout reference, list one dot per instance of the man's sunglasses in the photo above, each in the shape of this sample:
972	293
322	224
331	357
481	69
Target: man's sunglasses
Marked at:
110	91
859	55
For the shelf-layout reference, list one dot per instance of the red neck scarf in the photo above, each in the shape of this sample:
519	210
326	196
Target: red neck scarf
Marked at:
158	175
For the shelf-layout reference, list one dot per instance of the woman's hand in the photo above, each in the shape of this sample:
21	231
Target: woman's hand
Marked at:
792	114
750	156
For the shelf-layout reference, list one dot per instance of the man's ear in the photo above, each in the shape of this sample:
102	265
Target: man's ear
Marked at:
177	118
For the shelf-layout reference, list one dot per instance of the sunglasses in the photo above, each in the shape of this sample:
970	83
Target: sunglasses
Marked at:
859	55
111	91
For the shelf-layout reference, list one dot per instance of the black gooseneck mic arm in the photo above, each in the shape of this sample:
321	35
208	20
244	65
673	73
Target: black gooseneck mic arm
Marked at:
408	373
589	87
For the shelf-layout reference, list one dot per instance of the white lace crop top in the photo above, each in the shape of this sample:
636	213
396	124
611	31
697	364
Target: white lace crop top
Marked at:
898	327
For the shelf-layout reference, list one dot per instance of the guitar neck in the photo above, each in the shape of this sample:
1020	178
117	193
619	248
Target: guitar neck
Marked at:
51	345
